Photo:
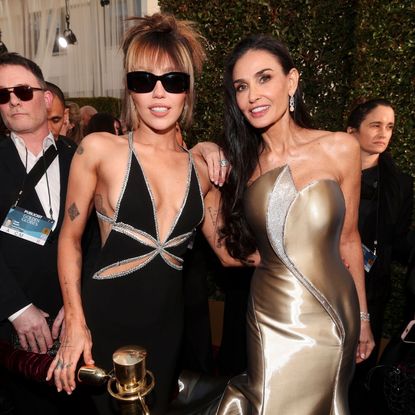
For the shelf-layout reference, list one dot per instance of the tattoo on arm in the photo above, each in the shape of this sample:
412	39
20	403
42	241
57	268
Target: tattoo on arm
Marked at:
79	149
213	213
73	211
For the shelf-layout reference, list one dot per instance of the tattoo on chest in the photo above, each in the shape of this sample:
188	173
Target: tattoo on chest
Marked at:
79	149
73	211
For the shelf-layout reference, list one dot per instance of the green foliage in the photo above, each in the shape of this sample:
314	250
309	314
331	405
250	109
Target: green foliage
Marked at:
385	66
344	49
102	104
307	29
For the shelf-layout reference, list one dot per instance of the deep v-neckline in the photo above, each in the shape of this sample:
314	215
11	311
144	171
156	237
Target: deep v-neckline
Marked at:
151	194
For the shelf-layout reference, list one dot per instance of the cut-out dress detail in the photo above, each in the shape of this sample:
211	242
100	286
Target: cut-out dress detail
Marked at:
135	294
303	316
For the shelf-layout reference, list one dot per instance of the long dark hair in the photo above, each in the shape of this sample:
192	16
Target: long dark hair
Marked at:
242	144
361	111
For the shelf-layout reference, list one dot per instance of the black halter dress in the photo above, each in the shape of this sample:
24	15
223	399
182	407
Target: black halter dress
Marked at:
135	294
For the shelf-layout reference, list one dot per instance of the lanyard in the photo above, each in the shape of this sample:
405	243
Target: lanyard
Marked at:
39	169
375	242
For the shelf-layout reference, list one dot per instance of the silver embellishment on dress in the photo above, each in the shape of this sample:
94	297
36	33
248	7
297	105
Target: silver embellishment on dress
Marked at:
189	175
280	200
124	185
127	175
200	188
159	248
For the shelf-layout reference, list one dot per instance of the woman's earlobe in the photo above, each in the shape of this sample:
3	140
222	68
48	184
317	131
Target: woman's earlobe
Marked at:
294	77
350	130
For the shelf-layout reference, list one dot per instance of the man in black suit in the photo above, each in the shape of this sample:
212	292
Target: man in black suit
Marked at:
30	296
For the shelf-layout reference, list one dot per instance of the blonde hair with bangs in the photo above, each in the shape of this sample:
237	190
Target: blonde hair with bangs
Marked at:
155	40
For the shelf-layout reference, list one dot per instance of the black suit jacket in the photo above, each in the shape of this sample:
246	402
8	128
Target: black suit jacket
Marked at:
28	272
395	214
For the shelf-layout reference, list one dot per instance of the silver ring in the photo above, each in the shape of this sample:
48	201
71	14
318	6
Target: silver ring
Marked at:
59	365
223	162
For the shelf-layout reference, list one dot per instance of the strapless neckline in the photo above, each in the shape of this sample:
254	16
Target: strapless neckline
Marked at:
287	167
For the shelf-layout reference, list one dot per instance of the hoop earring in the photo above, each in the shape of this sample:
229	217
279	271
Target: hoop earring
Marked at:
291	103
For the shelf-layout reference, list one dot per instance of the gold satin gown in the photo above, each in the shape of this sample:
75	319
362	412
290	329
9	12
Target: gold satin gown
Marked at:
303	317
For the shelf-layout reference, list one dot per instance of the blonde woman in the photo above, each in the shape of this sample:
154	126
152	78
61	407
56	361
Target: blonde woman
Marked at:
149	194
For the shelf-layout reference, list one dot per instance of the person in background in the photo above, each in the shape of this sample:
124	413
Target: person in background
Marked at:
72	124
102	121
57	113
118	126
87	111
30	298
385	213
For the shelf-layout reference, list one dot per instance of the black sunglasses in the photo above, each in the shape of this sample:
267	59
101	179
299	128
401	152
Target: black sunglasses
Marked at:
23	92
143	82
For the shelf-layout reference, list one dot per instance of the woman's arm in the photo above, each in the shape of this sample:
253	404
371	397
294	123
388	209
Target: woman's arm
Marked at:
212	154
77	338
211	226
350	244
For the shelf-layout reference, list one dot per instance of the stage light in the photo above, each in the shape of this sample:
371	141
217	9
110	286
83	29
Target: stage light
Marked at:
68	37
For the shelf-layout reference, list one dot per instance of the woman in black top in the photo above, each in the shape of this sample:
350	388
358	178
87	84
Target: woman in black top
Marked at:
384	218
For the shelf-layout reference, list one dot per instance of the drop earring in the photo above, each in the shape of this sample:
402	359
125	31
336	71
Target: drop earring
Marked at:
291	103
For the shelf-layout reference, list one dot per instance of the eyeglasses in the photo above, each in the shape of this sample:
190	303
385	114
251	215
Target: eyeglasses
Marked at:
23	92
143	82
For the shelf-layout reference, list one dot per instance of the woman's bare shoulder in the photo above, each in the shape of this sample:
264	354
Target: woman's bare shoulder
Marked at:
101	143
337	141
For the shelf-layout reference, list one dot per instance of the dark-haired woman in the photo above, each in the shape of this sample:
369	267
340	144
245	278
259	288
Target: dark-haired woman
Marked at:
384	218
293	193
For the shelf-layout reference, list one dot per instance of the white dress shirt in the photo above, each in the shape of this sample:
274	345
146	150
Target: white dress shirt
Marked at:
53	176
